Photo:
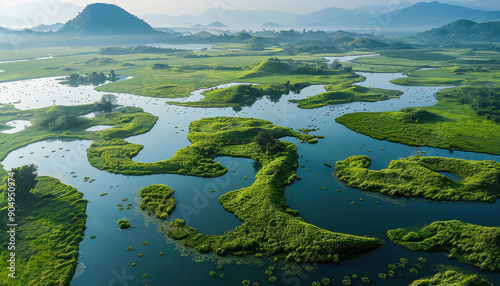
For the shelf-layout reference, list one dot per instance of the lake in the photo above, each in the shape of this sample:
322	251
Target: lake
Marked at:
105	261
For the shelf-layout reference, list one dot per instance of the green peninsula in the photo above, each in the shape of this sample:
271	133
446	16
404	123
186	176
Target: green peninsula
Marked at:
468	243
420	177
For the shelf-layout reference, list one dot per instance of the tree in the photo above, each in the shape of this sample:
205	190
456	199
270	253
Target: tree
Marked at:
107	104
25	178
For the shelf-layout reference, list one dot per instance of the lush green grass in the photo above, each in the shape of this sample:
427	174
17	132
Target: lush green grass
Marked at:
113	154
451	277
470	244
158	199
419	177
343	93
269	227
452	126
51	222
243	95
454	75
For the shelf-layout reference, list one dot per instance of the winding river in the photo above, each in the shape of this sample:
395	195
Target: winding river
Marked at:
105	261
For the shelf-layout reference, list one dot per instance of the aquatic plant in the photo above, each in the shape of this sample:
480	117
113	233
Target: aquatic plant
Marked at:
365	280
129	248
245	283
273	279
382	276
92	237
315	283
212	273
222	275
325	281
123	224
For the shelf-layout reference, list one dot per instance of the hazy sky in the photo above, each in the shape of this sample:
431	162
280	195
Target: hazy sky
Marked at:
194	7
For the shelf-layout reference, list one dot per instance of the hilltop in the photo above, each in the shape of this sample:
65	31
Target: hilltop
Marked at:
106	19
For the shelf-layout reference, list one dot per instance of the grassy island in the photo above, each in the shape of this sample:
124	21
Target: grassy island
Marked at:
51	222
447	125
451	277
419	177
269	226
470	244
158	200
243	95
343	93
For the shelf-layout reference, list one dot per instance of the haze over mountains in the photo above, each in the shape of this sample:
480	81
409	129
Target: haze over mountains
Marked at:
403	16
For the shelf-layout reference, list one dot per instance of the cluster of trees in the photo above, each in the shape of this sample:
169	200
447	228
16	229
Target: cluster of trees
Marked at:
107	104
56	119
93	78
484	100
268	143
25	178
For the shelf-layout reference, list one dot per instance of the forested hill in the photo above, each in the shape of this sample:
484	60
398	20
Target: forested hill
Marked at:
464	30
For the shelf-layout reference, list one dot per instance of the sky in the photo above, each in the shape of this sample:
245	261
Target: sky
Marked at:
195	7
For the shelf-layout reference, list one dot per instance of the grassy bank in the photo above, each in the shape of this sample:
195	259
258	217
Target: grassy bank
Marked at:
447	125
51	223
343	93
158	199
270	228
470	244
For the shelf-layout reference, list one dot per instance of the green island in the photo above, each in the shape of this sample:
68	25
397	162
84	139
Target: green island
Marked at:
269	226
51	222
343	93
419	177
158	199
468	243
451	277
243	95
448	125
115	155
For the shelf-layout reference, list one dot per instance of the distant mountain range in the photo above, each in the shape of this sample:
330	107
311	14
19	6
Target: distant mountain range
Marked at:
463	30
31	14
418	17
401	16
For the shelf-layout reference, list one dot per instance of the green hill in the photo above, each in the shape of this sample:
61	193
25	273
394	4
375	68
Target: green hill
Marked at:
366	44
268	67
106	19
463	30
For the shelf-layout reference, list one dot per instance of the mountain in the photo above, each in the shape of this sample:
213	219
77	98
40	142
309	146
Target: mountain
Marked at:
435	14
217	25
30	14
463	30
106	19
48	28
271	25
